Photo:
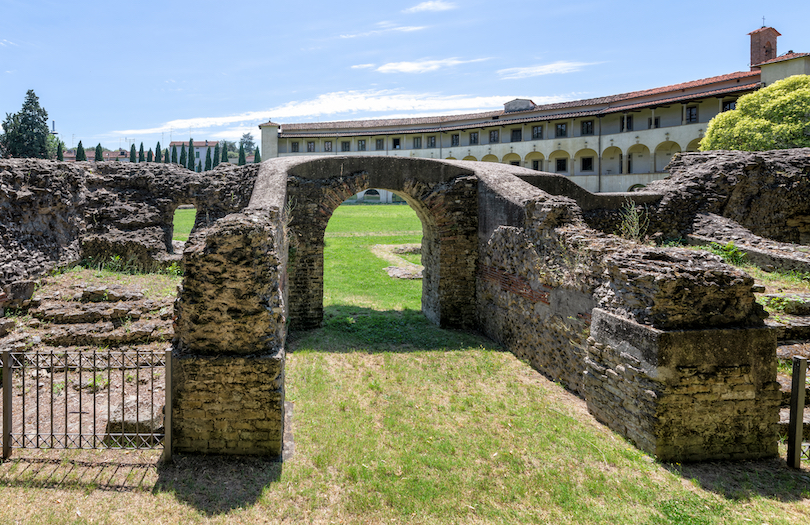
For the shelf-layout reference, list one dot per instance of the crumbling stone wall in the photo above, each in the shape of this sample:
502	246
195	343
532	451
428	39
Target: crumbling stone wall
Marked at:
444	197
544	275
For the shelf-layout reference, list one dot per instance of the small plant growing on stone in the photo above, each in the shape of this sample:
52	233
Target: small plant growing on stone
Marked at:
729	252
634	221
97	382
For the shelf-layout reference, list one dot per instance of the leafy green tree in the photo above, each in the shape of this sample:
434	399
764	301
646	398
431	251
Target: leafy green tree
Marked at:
192	162
257	158
149	155
53	146
216	156
224	151
166	156
133	155
247	141
99	153
183	155
174	154
25	134
158	153
80	154
775	117
242	160
141	157
207	159
60	154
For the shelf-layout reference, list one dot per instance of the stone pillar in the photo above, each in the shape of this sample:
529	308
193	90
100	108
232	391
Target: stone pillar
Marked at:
685	395
228	369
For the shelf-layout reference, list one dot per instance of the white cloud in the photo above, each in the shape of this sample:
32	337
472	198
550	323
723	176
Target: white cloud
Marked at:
345	104
558	67
6	43
434	5
385	27
423	66
362	66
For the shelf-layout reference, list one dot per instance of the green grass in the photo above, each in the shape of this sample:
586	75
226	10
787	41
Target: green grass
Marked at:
183	222
398	421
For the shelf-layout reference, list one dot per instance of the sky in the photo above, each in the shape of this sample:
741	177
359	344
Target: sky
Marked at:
118	73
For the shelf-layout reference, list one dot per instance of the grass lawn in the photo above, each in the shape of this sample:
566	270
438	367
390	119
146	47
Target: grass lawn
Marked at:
398	421
183	222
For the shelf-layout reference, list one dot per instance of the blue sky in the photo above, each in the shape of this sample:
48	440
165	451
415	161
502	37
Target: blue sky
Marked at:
121	72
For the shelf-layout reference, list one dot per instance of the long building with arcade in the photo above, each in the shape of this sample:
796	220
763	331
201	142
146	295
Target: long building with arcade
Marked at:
604	144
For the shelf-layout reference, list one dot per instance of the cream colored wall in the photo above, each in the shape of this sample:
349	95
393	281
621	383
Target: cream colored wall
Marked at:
773	72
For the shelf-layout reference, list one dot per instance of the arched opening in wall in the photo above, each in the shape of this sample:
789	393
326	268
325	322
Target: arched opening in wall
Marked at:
585	162
638	159
664	153
612	161
489	158
694	145
183	222
559	162
469	157
534	160
511	158
372	268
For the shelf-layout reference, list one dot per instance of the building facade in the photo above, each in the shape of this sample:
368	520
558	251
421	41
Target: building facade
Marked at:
604	144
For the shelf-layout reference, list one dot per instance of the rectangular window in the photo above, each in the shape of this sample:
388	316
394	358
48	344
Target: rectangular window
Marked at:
494	136
561	165
514	162
361	145
379	144
627	123
653	123
310	147
454	140
431	142
345	145
197	154
294	146
327	145
587	127
517	135
729	105
473	138
417	142
560	131
537	132
537	165
395	143
586	164
691	114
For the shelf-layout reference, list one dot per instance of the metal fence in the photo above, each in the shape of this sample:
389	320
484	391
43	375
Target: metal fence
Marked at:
796	449
87	399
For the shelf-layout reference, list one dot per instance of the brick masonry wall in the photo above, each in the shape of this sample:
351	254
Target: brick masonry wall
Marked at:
687	395
228	405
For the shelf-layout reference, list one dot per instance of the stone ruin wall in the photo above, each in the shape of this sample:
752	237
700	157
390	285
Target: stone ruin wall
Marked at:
690	372
57	213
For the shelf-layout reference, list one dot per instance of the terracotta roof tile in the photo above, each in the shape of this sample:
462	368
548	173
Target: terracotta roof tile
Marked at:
431	124
197	143
763	28
787	56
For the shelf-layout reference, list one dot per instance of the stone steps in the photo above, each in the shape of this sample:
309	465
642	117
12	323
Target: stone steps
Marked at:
60	312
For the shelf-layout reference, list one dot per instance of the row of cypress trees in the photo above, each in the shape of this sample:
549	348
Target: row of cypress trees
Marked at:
162	155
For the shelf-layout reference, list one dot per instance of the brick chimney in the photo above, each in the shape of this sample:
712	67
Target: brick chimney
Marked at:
763	45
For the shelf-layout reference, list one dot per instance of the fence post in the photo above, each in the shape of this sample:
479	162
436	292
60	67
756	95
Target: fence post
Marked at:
6	404
167	411
796	426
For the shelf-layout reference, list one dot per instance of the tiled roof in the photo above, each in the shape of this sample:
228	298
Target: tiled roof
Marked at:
763	28
197	143
348	128
787	56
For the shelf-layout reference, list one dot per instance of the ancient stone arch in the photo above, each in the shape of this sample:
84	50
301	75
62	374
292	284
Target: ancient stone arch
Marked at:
444	198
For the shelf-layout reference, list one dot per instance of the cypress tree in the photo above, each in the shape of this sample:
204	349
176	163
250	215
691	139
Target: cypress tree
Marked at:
224	153
158	153
141	157
242	160
257	158
216	156
183	155
80	155
207	159
166	156
99	153
133	154
149	155
60	155
174	154
191	160
199	167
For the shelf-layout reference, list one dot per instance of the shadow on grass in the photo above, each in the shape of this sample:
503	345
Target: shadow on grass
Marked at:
217	484
349	328
744	480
